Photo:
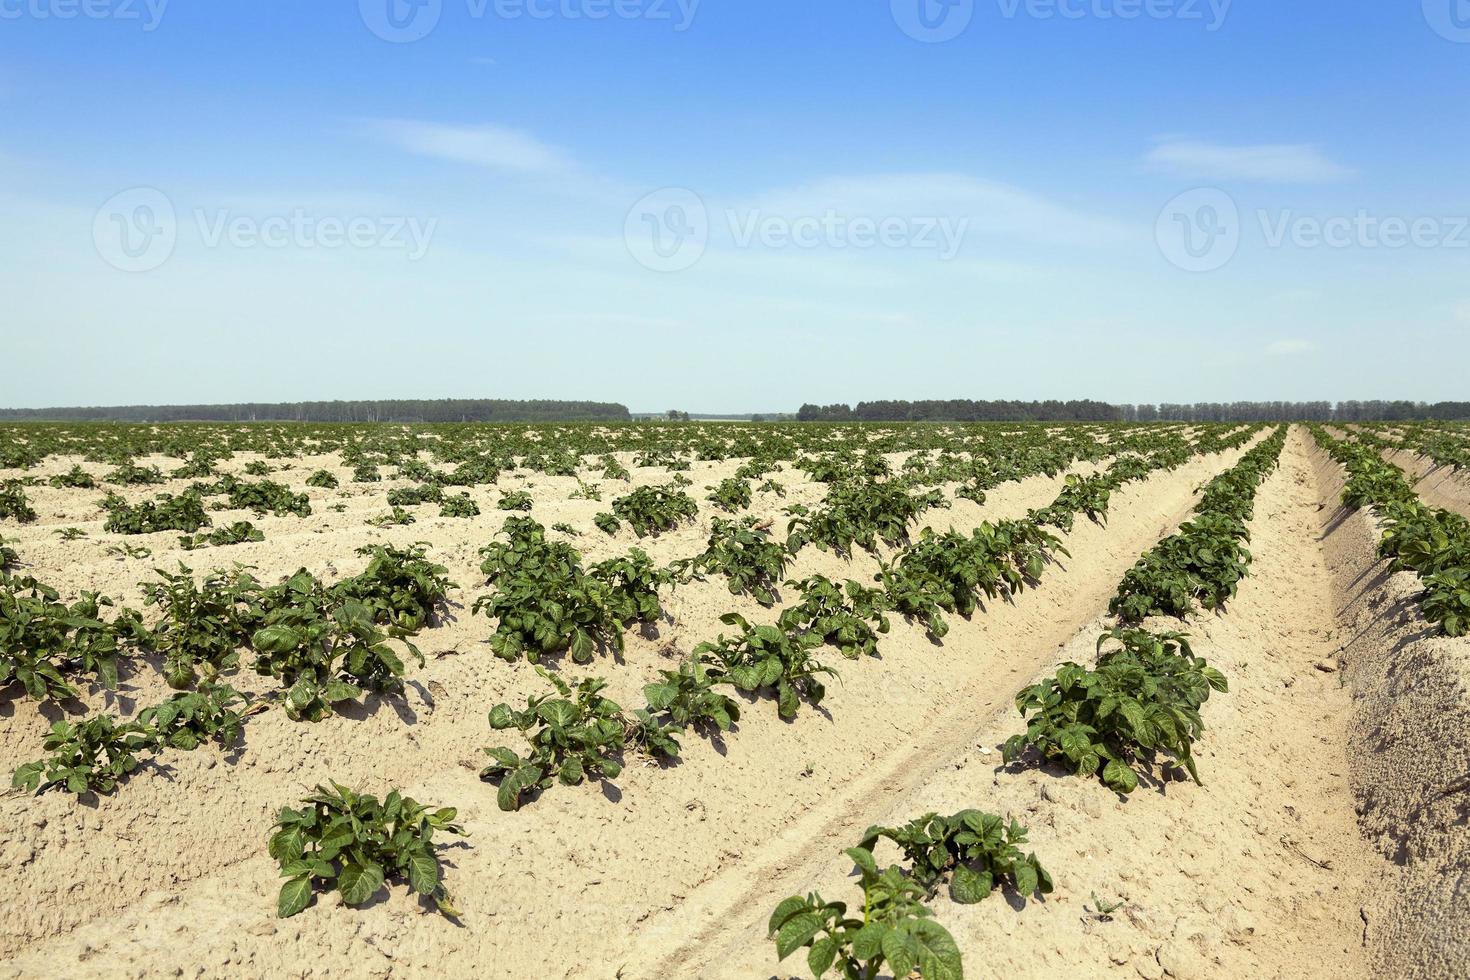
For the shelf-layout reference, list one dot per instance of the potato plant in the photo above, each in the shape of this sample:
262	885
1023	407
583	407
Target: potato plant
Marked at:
14	504
688	699
129	474
977	852
163	513
1142	699
413	496
896	935
767	658
89	756
203	624
653	510
745	554
731	495
349	842
239	532
858	512
75	478
400	587
214	712
397	517
545	602
851	618
575	735
323	648
42	640
459	505
516	500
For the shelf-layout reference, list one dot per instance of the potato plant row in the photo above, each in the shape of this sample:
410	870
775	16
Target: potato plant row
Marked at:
1429	541
326	644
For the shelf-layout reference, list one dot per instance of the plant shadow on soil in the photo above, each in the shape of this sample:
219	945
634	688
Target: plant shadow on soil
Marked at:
372	703
1156	777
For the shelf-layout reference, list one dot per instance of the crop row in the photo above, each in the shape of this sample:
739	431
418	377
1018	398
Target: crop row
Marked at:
1141	699
330	643
1431	542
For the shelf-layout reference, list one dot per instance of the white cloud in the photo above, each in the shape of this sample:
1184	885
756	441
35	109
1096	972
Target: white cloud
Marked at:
495	147
1286	348
1285	163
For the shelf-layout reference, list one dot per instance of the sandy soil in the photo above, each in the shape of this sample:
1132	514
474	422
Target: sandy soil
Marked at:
1267	870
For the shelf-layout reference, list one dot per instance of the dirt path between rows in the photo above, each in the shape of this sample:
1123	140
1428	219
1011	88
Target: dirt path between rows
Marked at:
1260	872
580	881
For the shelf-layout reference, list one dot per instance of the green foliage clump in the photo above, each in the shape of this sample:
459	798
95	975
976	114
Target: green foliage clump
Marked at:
42	640
653	510
896	935
75	478
731	495
239	532
515	500
14	504
323	648
89	756
574	735
850	618
163	513
1142	699
545	602
745	554
350	842
977	852
460	505
767	658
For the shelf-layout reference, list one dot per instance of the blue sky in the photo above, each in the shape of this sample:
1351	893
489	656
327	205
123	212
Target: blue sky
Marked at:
1133	200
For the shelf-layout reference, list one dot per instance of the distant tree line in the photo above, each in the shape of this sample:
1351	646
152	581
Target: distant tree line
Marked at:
1348	411
962	410
410	410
